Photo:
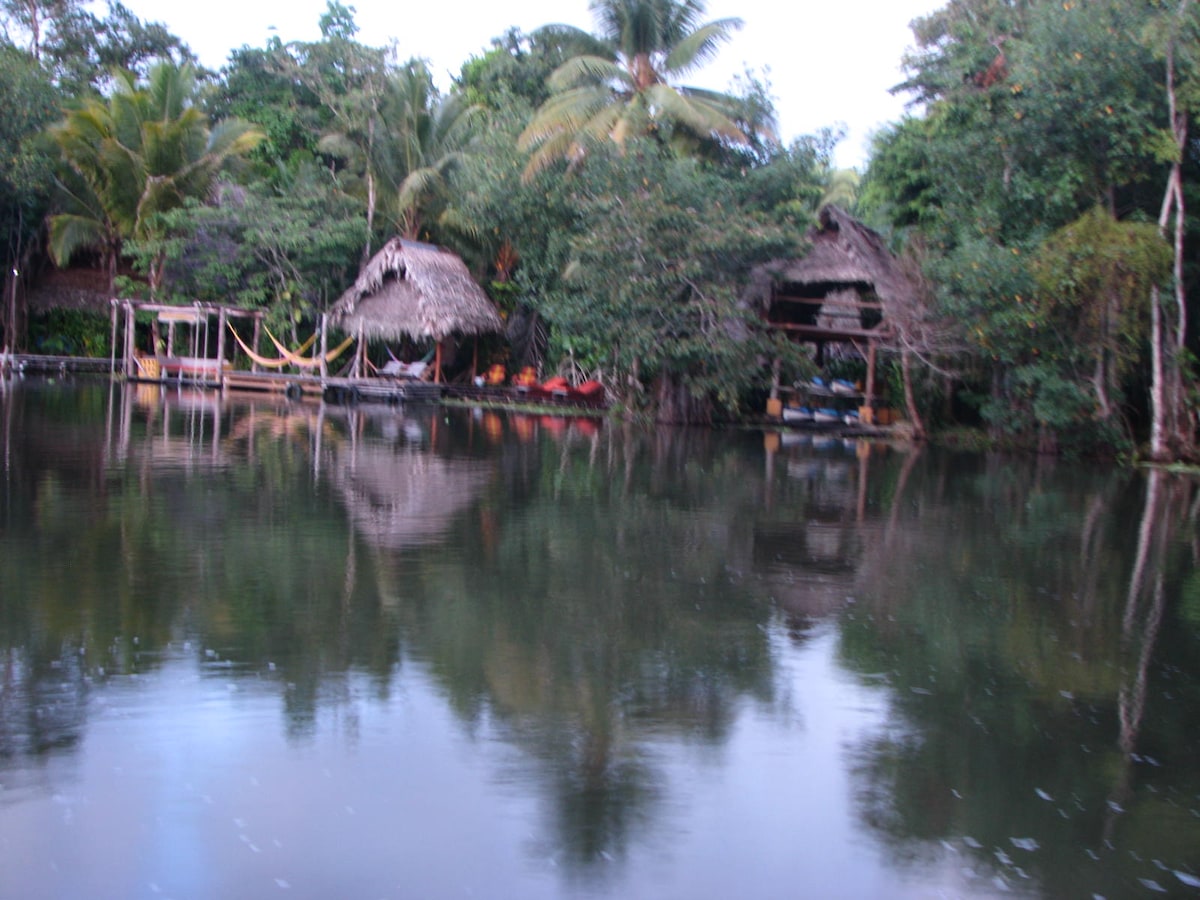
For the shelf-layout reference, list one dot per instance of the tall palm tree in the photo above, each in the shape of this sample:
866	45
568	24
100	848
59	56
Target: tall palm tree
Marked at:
142	153
432	135
415	139
627	85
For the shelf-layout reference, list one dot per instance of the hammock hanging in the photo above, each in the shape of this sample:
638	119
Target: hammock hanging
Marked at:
290	358
294	356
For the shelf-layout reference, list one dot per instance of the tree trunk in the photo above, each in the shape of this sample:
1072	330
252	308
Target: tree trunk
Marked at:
8	327
1170	431
676	405
366	254
910	400
1159	450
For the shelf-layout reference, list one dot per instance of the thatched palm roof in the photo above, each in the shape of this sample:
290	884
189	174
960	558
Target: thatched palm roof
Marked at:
417	290
843	252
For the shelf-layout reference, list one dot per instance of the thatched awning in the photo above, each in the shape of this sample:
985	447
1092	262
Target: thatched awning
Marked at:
417	290
843	252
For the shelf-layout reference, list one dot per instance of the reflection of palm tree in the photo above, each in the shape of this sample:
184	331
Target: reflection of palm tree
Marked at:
626	85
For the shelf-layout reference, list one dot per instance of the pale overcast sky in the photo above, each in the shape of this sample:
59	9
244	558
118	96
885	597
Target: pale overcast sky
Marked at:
828	63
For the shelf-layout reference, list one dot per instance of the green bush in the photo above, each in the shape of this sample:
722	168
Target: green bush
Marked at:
70	332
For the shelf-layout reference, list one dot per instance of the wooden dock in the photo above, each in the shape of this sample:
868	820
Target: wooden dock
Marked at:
19	363
331	389
392	391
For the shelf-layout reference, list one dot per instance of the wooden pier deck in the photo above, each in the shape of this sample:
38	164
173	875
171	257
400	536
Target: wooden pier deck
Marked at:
36	364
332	389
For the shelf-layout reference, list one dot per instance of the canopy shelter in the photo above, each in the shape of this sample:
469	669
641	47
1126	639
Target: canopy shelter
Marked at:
840	291
415	290
196	322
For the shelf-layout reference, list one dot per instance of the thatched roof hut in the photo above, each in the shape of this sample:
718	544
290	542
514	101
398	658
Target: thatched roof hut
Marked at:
417	290
839	290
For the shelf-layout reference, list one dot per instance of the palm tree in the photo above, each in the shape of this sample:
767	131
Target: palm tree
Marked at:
413	140
143	153
626	86
430	135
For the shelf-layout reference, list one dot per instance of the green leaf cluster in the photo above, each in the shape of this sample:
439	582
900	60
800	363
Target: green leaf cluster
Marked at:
1030	181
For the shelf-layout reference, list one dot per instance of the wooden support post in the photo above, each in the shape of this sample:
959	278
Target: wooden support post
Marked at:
221	349
257	337
199	328
324	346
774	404
437	363
130	349
360	352
869	387
112	345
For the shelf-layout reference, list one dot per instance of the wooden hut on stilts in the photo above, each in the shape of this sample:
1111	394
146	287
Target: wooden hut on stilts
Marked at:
839	292
415	290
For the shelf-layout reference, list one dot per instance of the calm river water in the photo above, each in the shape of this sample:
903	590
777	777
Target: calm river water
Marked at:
258	649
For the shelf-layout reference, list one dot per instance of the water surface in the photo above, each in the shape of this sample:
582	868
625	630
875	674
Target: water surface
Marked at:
255	648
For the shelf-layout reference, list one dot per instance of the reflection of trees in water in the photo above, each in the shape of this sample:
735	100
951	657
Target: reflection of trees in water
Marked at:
603	592
43	703
282	540
566	629
1020	658
151	552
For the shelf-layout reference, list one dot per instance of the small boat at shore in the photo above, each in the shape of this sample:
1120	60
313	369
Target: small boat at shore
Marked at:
826	416
797	414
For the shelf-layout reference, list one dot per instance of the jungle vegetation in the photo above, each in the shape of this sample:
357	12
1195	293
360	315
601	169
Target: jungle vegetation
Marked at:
1038	191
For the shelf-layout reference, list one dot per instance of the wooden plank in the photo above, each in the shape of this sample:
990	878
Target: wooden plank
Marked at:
821	301
829	334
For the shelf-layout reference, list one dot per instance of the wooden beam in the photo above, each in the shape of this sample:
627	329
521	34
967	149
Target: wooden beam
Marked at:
818	333
821	301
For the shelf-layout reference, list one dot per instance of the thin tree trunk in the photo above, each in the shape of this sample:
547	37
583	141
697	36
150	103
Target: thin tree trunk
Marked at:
1158	405
371	192
1170	431
366	254
910	401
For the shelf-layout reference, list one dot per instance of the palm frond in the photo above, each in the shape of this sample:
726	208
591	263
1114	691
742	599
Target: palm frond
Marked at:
566	112
696	113
556	148
69	234
582	71
700	46
419	183
572	40
233	137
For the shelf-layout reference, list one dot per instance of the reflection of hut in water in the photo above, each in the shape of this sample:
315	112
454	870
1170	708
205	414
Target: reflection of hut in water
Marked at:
405	497
809	567
418	291
813	553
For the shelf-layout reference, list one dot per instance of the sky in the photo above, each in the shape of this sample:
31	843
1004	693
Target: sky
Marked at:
828	63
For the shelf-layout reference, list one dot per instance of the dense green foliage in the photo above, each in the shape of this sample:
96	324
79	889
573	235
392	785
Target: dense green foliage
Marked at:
613	213
134	158
1048	135
25	174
